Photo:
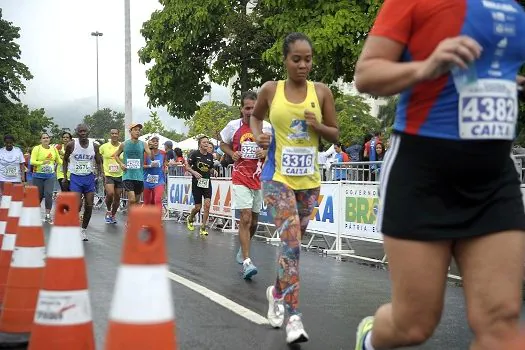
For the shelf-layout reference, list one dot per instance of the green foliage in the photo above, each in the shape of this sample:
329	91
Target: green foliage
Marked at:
12	71
24	124
337	28
101	122
387	112
56	133
155	125
211	118
354	119
186	36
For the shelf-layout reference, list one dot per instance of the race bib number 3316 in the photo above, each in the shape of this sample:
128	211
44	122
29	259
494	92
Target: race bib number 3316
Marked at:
488	110
298	161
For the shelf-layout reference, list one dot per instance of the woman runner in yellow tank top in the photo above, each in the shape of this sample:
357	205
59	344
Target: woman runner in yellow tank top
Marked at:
300	113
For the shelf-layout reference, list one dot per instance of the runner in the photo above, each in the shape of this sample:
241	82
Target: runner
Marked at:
133	160
301	112
455	64
238	142
84	154
61	148
154	175
112	176
200	166
12	168
44	161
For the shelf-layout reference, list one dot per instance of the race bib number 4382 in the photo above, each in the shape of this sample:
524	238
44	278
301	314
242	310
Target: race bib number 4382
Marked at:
488	110
297	161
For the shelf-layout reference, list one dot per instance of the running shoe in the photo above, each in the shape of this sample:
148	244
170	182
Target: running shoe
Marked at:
238	257
83	234
248	270
295	332
48	219
203	231
113	220
362	330
189	224
108	218
275	309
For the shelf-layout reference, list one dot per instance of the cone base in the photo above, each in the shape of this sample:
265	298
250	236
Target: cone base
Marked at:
14	340
139	337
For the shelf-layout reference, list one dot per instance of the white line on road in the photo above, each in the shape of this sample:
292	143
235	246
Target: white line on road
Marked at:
219	299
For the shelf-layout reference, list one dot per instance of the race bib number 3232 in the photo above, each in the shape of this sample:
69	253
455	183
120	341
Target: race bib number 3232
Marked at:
488	110
297	161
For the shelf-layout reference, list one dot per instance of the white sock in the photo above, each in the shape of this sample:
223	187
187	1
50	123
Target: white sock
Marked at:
247	261
368	341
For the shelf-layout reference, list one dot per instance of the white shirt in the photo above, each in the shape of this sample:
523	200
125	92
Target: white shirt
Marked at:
10	164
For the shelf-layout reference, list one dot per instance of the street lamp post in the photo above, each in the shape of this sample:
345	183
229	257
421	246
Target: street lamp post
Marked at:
96	35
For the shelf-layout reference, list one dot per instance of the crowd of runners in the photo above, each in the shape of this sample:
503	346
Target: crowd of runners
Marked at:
455	65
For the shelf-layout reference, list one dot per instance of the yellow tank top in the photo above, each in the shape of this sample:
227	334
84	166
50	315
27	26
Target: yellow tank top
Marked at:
292	155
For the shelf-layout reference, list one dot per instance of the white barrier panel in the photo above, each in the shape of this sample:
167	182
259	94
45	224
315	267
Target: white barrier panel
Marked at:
360	205
327	214
221	198
179	194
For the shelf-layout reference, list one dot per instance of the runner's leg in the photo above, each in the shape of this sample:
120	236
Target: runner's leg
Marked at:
49	186
206	213
110	195
244	231
415	310
148	196
492	270
89	198
157	195
116	200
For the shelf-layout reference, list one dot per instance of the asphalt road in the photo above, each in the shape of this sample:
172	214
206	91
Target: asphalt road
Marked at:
335	295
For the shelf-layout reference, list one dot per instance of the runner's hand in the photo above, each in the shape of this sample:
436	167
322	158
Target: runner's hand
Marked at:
459	51
236	156
260	153
263	140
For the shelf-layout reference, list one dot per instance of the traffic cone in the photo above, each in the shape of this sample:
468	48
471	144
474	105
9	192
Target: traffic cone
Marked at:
63	318
8	243
4	208
142	315
25	275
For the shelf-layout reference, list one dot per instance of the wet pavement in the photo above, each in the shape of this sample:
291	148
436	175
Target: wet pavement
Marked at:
335	295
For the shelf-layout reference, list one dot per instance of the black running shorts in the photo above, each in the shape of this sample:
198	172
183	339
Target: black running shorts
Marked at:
437	189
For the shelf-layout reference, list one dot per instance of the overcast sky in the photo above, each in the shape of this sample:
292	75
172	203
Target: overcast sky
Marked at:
58	48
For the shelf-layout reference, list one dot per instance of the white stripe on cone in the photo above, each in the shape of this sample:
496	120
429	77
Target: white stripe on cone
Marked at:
6	201
63	308
8	244
65	242
15	209
30	217
142	295
28	257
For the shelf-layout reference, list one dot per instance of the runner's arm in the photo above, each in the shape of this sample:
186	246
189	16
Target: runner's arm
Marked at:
327	129
98	160
261	108
148	151
521	87
116	156
22	167
65	162
34	157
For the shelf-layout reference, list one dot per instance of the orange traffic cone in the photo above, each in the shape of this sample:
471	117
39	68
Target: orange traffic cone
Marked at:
25	275
4	208
63	318
142	315
8	243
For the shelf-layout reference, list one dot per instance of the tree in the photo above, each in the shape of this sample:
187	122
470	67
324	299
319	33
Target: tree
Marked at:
155	125
354	119
101	122
211	118
24	124
337	28
387	112
189	41
56	133
12	71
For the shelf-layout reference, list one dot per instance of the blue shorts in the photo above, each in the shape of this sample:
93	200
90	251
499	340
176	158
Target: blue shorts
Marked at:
82	183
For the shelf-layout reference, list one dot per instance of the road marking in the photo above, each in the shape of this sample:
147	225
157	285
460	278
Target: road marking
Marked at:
219	299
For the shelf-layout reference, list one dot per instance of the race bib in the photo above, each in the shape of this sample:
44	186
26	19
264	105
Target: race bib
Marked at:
155	164
11	171
248	150
488	110
82	168
114	168
133	164
203	183
152	179
47	169
297	161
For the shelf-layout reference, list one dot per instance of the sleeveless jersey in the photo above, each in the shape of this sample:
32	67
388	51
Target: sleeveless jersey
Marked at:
486	106
82	160
292	155
246	170
133	160
154	177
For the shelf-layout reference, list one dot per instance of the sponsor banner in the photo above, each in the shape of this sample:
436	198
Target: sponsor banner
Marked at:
326	214
360	207
180	197
221	197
